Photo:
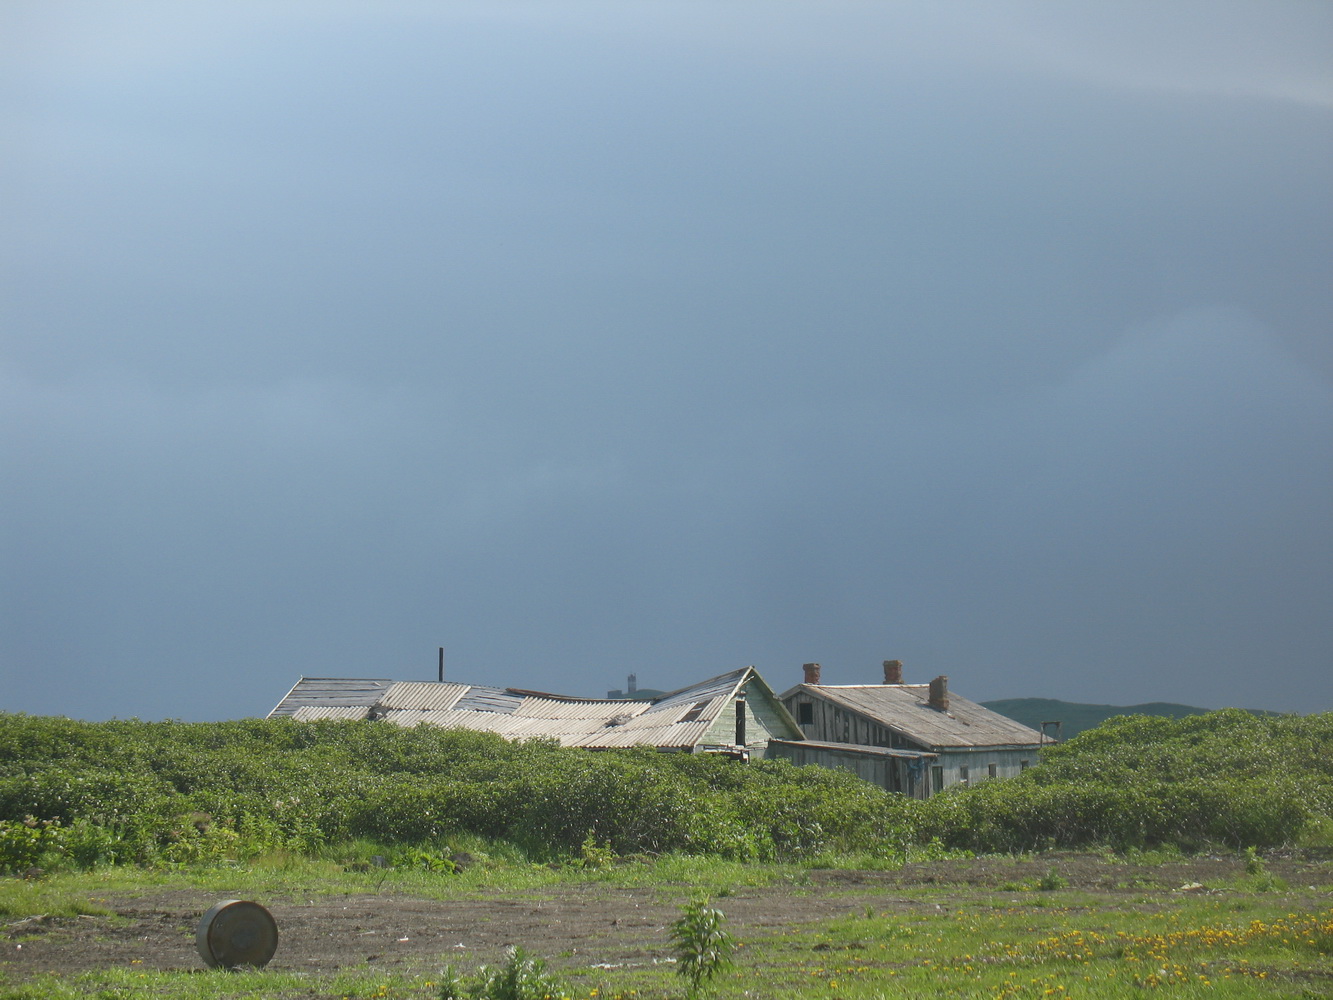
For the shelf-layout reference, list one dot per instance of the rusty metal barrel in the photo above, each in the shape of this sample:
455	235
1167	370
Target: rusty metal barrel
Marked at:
236	932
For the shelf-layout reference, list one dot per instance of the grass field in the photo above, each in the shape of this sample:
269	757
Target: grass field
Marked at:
1086	926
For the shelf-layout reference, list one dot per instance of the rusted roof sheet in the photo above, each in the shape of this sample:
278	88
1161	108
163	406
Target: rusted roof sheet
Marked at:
905	707
312	713
331	692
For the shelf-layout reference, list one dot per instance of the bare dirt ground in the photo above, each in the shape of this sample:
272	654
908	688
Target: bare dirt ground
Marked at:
577	925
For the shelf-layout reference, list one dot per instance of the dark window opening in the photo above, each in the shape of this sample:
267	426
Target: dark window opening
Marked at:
806	713
937	779
962	775
990	769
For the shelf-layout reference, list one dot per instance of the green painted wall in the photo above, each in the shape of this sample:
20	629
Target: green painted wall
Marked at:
764	720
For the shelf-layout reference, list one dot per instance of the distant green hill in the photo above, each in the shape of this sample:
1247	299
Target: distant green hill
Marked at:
1074	718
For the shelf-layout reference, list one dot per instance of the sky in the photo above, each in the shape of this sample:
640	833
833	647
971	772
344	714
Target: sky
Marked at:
590	338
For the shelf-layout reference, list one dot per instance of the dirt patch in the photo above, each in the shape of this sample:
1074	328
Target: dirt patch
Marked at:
573	926
581	925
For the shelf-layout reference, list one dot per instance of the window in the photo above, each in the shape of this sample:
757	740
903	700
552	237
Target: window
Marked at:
1023	764
962	775
805	713
990	770
937	779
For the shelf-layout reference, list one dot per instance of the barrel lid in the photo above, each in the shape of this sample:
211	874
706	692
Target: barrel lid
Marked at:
236	932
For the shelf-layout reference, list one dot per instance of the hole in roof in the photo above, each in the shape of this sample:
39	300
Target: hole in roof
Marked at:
695	711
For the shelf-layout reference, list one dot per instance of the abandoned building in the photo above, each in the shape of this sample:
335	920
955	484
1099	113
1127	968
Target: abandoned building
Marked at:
917	739
735	713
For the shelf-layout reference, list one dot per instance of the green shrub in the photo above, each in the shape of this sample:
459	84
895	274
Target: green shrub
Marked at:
30	843
702	944
521	977
180	793
1051	881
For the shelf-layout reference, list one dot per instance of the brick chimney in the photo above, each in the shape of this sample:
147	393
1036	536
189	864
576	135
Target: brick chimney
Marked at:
893	671
811	673
939	693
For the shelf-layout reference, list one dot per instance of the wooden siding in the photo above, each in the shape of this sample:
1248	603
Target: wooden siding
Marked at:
1008	764
764	720
907	775
835	724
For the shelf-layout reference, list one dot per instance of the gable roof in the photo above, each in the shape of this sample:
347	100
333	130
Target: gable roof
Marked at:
905	708
677	720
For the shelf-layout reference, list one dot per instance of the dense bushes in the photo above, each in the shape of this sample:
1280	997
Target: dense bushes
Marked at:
74	793
184	792
1229	778
1021	815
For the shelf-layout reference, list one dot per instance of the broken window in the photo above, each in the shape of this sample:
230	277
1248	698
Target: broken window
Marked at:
806	713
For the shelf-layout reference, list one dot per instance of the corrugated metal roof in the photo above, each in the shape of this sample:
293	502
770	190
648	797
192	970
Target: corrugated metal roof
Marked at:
311	713
554	707
677	736
331	692
704	708
905	707
489	699
423	694
719	687
514	714
589	733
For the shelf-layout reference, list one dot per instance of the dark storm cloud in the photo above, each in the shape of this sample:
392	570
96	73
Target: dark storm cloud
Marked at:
586	341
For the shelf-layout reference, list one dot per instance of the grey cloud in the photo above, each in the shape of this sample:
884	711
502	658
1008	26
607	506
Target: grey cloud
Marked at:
586	339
